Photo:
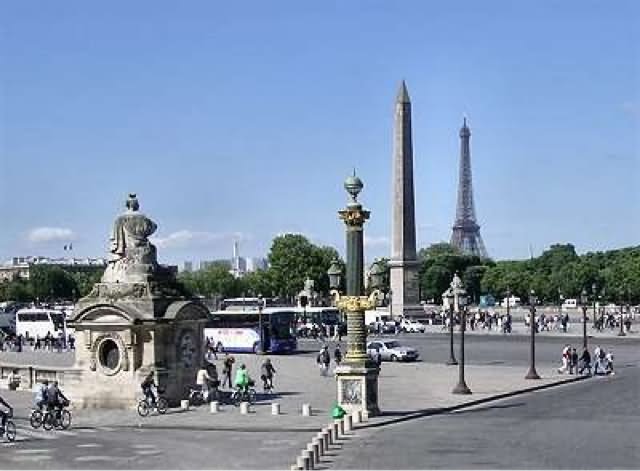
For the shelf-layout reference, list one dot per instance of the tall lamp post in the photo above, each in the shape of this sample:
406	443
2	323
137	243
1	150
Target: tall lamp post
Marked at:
448	300
621	332
594	289
460	298
508	300
584	301
532	373
357	377
260	325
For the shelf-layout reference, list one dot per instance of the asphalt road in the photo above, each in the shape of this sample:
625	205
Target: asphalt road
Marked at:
433	348
593	424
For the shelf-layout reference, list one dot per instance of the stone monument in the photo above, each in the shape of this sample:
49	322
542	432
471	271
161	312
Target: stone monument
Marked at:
137	319
403	265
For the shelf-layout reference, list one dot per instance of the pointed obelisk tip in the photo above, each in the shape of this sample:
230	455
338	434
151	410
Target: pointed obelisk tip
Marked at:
403	94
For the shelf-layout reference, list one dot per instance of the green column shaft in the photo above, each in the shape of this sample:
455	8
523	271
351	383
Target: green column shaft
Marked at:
355	260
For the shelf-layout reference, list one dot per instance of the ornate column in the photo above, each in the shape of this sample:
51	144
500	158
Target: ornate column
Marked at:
357	377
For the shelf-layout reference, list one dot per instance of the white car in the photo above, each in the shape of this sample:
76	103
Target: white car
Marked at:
412	326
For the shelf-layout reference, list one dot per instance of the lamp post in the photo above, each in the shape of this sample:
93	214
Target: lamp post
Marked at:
621	331
461	298
594	293
508	300
260	325
584	301
357	377
448	301
532	373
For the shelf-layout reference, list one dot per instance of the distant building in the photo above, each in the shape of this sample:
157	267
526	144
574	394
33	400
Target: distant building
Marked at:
188	267
20	267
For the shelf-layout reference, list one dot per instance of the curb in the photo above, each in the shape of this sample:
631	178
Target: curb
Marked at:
310	463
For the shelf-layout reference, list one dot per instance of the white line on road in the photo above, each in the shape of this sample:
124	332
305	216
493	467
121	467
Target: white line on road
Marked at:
34	450
89	445
144	445
97	458
30	458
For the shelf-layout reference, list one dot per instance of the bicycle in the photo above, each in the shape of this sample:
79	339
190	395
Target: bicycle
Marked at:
58	418
9	428
244	395
145	406
36	418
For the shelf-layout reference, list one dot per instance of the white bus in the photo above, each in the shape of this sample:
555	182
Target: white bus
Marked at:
36	322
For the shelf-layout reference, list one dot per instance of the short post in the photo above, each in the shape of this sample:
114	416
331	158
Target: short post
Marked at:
308	458
184	404
213	407
313	453
357	417
306	410
301	463
340	427
244	407
365	416
320	442
326	437
275	408
348	423
336	431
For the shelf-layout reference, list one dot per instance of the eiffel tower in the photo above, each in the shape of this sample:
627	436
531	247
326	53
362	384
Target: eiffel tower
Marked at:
466	231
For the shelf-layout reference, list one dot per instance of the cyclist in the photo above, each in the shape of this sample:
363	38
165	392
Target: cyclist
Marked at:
4	415
242	379
267	371
147	388
41	394
205	381
55	398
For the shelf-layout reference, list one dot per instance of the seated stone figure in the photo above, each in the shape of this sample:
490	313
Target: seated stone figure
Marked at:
133	257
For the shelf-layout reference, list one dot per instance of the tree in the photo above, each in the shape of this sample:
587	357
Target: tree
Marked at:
472	277
215	280
293	259
51	282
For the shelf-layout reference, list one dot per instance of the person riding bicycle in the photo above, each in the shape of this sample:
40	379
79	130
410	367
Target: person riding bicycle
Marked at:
242	381
41	394
147	386
266	374
206	382
4	415
56	400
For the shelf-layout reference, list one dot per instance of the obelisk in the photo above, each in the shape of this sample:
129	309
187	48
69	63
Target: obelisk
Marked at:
403	265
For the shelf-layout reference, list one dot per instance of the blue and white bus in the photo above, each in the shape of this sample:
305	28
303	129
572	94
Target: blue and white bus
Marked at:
239	331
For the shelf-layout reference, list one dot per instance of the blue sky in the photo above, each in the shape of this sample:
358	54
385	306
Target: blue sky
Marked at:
242	119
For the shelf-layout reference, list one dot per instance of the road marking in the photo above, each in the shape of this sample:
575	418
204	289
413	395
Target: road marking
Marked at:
96	458
144	445
30	458
149	452
89	445
34	450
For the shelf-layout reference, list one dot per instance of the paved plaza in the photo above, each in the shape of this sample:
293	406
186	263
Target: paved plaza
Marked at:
102	439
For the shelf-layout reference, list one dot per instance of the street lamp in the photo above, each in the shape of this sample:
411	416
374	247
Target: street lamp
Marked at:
460	294
621	332
260	325
584	301
448	299
594	289
532	373
508	300
357	376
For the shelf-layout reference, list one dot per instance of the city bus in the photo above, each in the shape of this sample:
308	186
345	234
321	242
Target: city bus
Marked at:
239	331
244	304
37	322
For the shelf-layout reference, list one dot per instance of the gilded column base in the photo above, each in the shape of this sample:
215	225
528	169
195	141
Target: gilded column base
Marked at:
358	388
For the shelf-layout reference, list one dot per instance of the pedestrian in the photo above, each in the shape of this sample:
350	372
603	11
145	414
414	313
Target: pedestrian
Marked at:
598	357
337	355
323	360
585	361
609	363
72	342
227	367
566	354
565	322
266	375
574	362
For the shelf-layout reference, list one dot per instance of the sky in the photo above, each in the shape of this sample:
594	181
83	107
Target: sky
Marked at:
241	120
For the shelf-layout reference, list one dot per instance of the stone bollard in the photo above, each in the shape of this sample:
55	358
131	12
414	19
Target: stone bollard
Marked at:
324	441
365	416
184	404
357	417
336	431
213	407
306	410
244	407
348	423
328	434
295	467
302	462
275	408
320	442
308	456
341	427
315	449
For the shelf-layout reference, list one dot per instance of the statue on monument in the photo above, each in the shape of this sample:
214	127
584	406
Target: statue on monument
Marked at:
133	257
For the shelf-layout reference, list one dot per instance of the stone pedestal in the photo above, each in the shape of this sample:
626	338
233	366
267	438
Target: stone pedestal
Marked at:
120	342
404	279
358	388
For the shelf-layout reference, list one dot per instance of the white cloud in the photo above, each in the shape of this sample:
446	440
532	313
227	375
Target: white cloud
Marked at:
373	241
186	238
41	235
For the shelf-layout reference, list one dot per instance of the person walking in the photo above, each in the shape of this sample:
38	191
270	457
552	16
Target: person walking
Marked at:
323	360
266	375
566	354
598	356
573	365
227	368
337	355
609	363
585	361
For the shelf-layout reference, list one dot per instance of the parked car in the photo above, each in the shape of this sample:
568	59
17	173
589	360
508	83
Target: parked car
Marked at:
412	326
391	350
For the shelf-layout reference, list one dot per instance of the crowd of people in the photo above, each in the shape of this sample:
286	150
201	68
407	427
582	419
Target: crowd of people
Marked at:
600	364
48	343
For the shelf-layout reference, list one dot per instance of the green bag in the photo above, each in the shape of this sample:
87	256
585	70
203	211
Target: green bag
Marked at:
337	412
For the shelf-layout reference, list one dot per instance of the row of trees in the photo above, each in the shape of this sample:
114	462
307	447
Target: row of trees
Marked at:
49	283
559	271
